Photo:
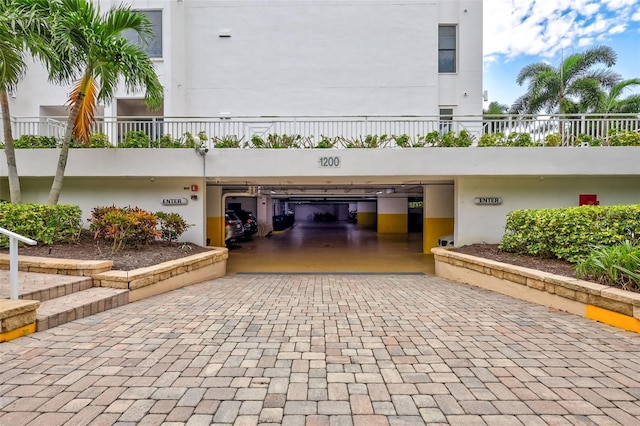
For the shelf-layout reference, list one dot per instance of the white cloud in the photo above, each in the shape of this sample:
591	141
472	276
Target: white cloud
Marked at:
542	27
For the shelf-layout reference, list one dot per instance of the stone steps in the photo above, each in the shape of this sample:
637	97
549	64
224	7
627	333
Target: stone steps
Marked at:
70	307
63	298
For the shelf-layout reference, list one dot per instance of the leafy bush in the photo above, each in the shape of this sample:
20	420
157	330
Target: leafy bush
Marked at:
32	141
617	138
230	141
133	226
127	226
369	141
553	139
172	225
136	139
326	142
47	224
616	265
492	139
96	140
569	233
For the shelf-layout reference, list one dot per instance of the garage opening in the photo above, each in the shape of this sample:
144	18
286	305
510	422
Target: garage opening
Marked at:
337	229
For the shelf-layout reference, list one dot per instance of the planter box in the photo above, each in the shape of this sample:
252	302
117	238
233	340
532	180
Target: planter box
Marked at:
610	305
166	276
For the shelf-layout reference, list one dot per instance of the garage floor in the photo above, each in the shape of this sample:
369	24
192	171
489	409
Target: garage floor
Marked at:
331	247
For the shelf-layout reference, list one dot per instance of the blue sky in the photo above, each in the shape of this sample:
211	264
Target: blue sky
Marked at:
522	32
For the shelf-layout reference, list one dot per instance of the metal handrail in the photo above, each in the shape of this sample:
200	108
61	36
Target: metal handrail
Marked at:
13	258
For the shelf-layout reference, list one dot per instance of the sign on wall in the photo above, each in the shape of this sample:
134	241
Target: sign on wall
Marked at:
174	201
488	201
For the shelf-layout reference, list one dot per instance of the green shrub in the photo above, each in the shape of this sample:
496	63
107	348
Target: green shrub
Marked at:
127	226
569	233
172	225
520	140
167	141
134	227
96	140
136	139
623	138
617	265
227	142
369	141
553	139
32	141
492	139
47	224
326	142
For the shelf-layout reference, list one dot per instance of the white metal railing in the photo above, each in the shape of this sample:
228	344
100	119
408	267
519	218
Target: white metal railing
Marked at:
13	258
569	127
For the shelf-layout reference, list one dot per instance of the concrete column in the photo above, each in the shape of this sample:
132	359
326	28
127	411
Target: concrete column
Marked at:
393	215
215	217
367	214
438	214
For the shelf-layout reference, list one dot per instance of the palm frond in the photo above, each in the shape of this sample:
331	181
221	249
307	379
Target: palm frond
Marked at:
84	93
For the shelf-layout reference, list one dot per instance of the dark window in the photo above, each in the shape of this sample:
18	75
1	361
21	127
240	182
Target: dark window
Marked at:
153	46
446	49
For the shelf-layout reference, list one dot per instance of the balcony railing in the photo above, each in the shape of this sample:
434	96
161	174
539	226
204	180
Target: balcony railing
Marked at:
568	127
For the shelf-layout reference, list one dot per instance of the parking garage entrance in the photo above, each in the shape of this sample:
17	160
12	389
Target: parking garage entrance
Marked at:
323	230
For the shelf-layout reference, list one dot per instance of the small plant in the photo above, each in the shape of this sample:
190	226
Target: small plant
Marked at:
617	265
369	141
326	142
99	140
230	141
172	226
520	140
553	139
622	138
127	226
136	139
405	141
32	141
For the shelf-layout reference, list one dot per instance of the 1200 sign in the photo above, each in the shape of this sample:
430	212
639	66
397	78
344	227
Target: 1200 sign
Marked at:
330	161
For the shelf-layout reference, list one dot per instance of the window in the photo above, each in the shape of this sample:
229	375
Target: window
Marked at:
153	46
446	49
446	120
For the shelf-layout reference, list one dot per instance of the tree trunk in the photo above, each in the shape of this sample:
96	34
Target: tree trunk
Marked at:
9	150
56	186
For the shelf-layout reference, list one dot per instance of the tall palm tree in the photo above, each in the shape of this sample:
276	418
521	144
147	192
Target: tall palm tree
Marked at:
12	67
94	43
573	87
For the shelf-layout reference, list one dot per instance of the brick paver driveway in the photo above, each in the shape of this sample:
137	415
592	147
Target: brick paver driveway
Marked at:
324	350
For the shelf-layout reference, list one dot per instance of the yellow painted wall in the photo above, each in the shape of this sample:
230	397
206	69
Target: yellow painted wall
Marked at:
215	231
393	223
367	219
434	228
612	318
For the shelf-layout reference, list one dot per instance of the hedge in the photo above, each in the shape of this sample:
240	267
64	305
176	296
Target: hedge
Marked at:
570	233
47	224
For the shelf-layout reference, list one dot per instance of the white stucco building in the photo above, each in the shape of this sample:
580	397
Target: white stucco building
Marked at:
314	67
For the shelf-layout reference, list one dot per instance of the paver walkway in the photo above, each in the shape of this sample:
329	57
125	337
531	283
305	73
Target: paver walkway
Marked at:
324	350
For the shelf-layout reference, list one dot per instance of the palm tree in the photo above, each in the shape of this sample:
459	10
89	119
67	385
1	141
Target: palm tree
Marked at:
12	66
87	40
611	102
494	116
20	32
573	87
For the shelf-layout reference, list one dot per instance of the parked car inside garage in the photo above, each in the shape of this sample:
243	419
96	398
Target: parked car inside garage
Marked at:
233	228
249	222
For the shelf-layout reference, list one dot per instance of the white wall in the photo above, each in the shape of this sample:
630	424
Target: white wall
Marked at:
123	192
288	57
485	224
